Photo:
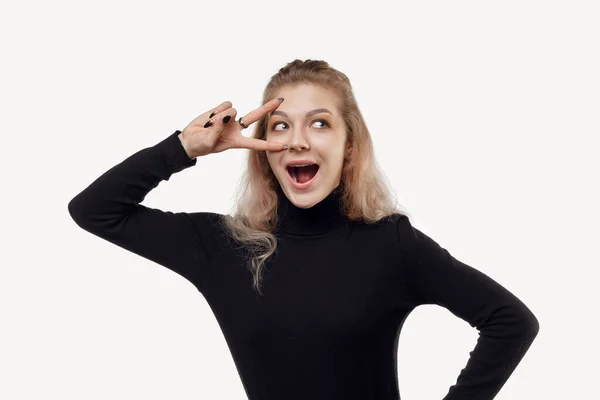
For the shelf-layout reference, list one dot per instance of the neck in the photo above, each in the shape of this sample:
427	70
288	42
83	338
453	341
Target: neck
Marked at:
319	219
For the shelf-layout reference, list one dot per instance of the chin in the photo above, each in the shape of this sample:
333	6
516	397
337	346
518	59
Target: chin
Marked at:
305	199
306	205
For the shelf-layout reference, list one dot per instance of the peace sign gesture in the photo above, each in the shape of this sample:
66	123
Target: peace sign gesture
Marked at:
213	131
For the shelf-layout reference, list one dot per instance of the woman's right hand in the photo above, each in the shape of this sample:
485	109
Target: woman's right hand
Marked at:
200	141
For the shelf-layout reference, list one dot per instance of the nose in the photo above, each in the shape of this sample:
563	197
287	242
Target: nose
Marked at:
297	146
298	142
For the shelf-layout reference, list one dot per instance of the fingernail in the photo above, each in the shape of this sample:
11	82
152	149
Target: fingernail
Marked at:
206	125
280	100
213	114
285	146
226	119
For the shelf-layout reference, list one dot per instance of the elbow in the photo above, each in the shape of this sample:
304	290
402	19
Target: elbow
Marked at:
72	207
528	322
512	320
76	212
531	325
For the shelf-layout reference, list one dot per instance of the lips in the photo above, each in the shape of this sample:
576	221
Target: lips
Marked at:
294	171
298	185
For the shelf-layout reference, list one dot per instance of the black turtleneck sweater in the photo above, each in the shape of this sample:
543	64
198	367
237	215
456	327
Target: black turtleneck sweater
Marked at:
335	294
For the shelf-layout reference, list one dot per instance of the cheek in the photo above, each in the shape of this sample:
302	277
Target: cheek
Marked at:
272	161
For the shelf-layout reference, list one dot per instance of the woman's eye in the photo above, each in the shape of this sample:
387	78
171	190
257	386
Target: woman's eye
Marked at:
323	121
277	123
326	124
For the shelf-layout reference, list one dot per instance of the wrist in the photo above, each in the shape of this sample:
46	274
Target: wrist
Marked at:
185	146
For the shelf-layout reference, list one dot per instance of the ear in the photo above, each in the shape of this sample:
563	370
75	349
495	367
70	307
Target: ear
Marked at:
348	152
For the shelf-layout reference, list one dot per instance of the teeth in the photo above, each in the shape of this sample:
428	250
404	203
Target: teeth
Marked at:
300	165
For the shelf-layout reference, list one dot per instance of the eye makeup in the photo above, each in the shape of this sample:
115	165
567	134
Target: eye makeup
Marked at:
325	122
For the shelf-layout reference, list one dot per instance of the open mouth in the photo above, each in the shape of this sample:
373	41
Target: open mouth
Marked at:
303	174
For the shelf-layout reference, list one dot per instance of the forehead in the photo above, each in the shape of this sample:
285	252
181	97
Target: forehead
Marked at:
304	100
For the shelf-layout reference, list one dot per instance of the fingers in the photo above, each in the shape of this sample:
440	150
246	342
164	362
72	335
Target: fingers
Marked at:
260	112
261	145
218	125
204	117
220	108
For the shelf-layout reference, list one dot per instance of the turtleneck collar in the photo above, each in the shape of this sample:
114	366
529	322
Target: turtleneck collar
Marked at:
319	219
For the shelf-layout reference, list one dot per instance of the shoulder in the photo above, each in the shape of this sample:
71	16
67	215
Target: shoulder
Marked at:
390	220
396	226
212	230
386	223
206	217
408	237
208	225
400	224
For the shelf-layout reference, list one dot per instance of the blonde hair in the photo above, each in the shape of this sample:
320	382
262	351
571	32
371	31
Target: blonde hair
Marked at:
366	195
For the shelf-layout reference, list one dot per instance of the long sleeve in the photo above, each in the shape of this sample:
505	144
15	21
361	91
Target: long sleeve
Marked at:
507	327
109	208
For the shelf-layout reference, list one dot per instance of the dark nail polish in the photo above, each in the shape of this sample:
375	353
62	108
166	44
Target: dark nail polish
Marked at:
280	100
206	125
226	119
213	114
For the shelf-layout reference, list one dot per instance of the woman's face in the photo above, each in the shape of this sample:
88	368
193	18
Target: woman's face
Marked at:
318	137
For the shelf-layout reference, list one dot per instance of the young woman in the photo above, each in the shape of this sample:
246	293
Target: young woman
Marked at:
313	276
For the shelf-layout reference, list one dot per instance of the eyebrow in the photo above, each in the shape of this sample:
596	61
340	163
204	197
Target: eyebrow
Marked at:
308	114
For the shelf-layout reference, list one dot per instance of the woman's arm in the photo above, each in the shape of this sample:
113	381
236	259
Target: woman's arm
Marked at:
110	209
507	326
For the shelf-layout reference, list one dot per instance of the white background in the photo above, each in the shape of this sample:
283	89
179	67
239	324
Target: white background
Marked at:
484	116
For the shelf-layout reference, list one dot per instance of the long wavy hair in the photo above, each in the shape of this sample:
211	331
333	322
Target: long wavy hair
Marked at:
366	195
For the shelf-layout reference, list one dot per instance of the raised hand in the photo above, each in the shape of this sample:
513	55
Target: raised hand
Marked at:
218	136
